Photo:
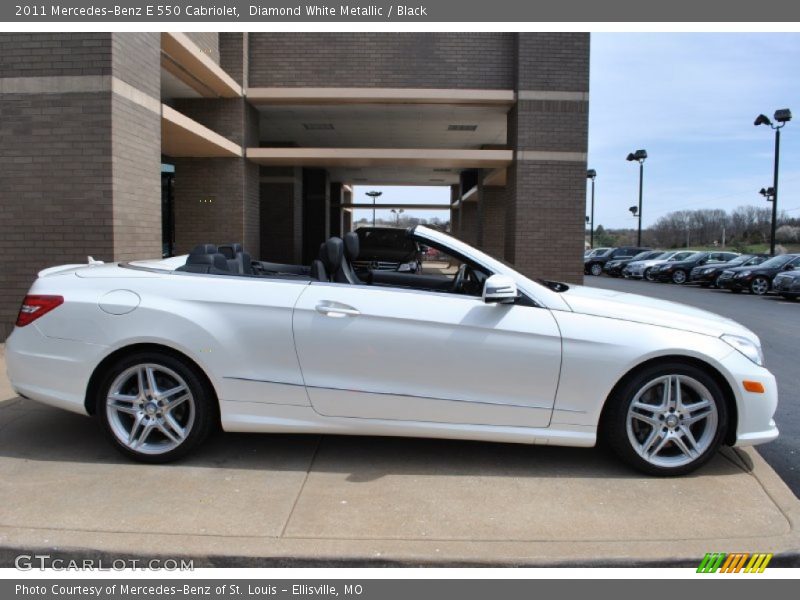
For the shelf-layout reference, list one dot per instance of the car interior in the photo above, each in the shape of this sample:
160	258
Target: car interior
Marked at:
335	264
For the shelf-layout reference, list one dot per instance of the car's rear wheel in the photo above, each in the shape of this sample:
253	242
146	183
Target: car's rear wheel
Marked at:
668	419
154	407
679	277
648	274
596	269
759	286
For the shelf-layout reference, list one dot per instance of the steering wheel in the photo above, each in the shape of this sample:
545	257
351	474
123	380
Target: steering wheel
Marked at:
458	280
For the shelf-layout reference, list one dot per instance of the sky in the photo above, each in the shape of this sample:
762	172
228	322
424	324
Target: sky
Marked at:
689	99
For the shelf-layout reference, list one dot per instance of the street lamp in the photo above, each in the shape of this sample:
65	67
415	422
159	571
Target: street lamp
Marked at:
639	157
591	174
397	213
781	116
373	194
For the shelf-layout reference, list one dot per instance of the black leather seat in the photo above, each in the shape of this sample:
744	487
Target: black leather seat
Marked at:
345	272
239	261
213	264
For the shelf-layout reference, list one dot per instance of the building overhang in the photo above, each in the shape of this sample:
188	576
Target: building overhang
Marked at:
329	95
182	137
381	157
182	58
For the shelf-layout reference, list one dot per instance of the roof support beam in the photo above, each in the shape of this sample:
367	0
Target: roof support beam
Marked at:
381	157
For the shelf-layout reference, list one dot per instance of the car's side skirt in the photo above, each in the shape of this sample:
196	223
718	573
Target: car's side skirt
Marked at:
255	417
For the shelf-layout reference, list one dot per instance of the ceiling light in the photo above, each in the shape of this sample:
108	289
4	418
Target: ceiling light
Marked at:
462	127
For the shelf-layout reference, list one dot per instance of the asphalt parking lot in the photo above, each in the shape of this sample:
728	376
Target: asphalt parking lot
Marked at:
777	322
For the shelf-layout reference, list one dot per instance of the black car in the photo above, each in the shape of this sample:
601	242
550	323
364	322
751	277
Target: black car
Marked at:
787	284
758	279
593	264
678	271
387	249
707	275
614	267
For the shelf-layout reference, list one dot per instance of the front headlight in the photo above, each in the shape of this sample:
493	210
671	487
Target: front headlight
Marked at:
743	274
747	347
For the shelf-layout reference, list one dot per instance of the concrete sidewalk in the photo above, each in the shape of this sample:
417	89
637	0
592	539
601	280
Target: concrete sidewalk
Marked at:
319	499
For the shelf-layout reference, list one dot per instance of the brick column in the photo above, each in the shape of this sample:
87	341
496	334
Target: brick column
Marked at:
548	129
80	144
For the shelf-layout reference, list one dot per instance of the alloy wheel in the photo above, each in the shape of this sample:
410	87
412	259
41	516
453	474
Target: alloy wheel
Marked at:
597	269
150	409
760	286
672	421
648	274
679	277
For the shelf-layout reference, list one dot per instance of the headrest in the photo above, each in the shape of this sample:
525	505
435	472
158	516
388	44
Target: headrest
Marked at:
204	249
351	245
333	254
230	250
217	261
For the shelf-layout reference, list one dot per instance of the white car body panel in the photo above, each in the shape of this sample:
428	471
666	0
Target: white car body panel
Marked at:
410	363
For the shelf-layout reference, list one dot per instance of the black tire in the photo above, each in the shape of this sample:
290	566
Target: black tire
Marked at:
614	428
596	269
680	277
759	286
205	406
647	275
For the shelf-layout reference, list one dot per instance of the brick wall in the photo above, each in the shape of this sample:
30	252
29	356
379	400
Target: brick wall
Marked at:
553	61
54	54
136	149
233	55
207	41
494	221
441	60
55	188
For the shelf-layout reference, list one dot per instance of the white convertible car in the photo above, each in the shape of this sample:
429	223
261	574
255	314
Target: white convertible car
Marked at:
162	352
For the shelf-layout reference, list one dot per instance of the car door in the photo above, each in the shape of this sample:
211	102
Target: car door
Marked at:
401	354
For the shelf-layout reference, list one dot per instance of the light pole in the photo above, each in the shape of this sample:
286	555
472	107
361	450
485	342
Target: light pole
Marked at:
373	194
591	174
639	157
782	117
397	212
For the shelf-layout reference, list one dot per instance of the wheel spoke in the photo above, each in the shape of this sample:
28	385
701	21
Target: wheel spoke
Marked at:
660	446
652	421
699	416
680	443
677	400
172	424
166	431
137	424
666	397
172	392
151	381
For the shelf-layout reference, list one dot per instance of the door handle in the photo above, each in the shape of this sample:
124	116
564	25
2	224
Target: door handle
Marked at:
336	310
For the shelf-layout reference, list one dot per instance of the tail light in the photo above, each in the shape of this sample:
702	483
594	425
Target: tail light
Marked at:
34	307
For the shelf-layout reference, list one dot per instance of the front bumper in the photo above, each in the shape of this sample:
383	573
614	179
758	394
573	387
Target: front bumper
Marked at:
787	286
702	278
733	283
755	411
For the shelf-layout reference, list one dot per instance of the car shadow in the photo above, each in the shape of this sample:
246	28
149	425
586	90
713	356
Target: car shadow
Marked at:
32	432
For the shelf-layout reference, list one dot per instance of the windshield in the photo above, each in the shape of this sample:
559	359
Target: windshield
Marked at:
777	261
600	251
740	260
645	255
681	256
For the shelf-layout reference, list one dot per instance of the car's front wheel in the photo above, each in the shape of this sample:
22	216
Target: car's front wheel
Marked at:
668	419
154	407
679	277
596	269
648	274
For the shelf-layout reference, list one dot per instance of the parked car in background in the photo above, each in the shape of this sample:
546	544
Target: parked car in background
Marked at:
757	280
642	269
706	275
614	267
594	263
787	284
677	271
386	249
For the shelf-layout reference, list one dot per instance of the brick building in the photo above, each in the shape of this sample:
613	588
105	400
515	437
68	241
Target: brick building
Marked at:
123	145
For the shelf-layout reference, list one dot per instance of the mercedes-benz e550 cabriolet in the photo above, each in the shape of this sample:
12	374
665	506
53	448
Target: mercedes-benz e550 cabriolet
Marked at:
161	352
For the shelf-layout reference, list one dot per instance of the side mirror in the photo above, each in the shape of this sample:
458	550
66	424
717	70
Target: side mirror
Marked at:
501	289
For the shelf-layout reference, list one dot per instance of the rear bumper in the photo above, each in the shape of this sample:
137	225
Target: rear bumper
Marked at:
51	370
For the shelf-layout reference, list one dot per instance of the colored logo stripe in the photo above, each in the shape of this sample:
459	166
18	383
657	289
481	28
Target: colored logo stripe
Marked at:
721	562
